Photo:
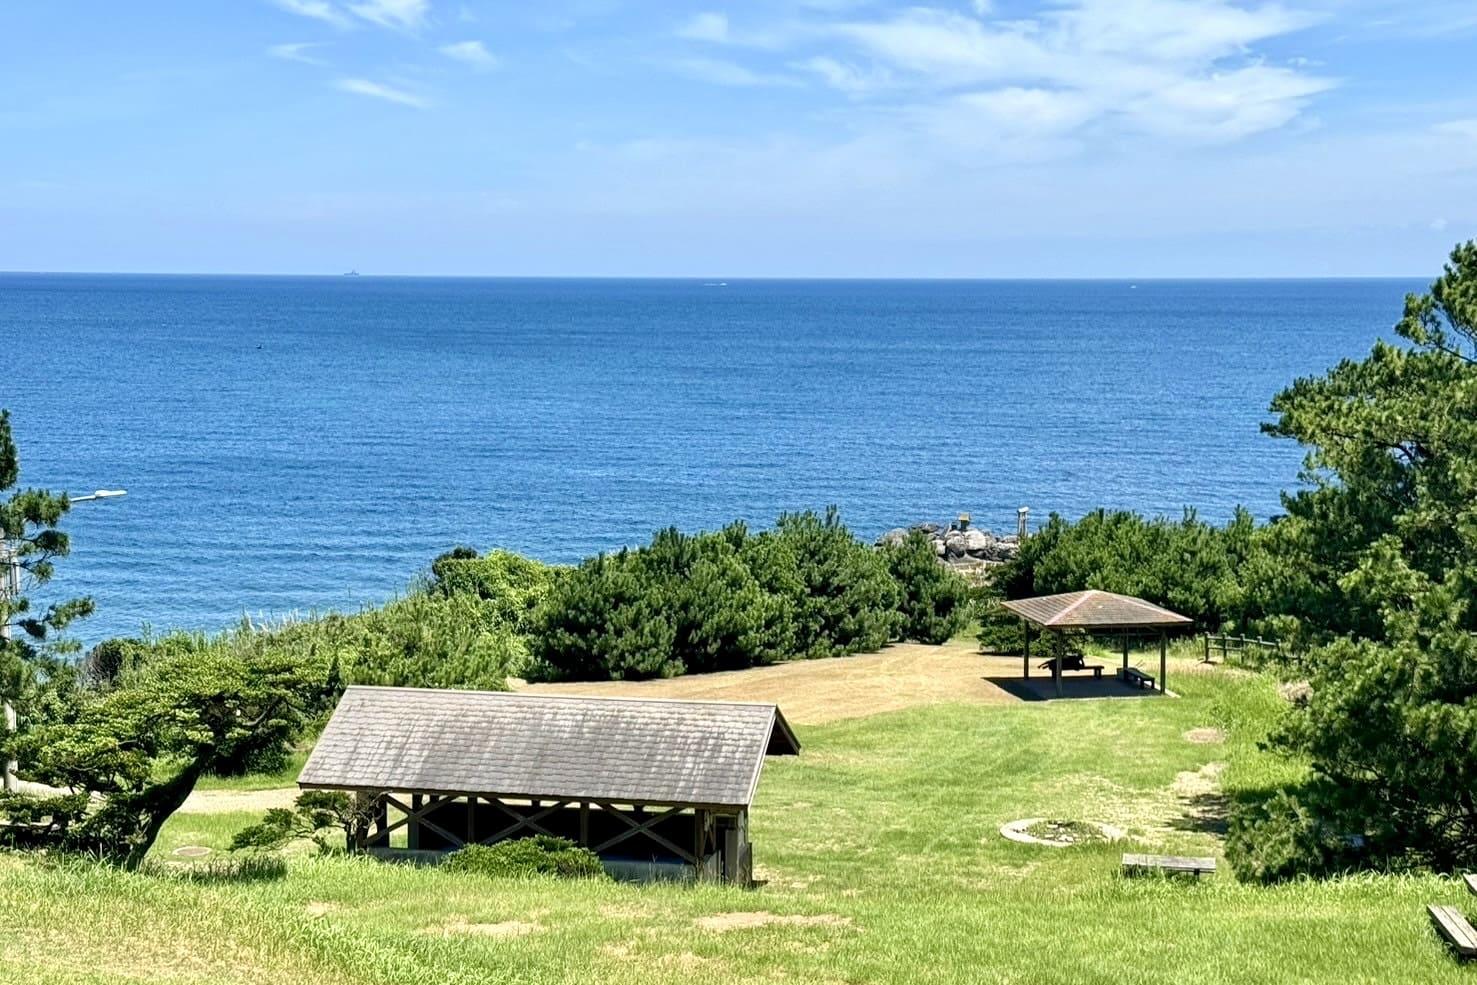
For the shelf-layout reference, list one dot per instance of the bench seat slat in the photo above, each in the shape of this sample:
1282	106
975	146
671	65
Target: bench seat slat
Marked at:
1471	880
1167	863
1454	927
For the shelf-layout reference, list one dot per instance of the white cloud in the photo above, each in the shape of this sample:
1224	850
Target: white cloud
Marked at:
400	15
1439	225
473	53
1225	105
1181	69
708	26
376	90
1458	128
718	72
318	10
297	52
845	76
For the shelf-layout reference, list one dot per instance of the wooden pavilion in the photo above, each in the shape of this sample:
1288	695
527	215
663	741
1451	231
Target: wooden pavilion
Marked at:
1104	613
656	788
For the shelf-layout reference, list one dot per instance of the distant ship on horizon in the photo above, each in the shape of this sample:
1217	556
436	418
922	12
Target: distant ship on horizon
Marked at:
352	273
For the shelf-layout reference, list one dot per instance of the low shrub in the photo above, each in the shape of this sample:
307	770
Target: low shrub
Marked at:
934	600
540	855
1286	837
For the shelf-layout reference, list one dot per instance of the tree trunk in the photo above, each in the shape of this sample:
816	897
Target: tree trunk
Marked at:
153	806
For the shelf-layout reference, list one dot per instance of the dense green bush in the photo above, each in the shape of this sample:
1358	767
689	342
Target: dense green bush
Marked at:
725	600
846	600
512	585
539	855
1284	837
935	600
1189	566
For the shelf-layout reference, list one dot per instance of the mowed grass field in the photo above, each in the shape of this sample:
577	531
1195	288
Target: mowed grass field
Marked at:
883	863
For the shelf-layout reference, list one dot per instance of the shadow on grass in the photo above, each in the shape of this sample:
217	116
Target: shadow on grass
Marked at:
1074	687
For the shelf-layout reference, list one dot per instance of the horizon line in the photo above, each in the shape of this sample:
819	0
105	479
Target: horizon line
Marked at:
1082	278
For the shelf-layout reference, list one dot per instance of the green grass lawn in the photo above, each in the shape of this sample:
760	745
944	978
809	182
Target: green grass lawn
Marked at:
883	861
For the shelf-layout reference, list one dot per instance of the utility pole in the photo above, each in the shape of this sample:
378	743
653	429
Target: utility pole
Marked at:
10	588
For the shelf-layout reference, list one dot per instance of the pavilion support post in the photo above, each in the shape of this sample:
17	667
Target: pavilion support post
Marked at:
1163	661
1026	652
413	829
1056	671
1125	654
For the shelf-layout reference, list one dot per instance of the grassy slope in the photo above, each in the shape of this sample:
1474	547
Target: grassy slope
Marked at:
886	824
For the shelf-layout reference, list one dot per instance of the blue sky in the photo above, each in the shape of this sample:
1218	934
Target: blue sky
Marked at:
811	137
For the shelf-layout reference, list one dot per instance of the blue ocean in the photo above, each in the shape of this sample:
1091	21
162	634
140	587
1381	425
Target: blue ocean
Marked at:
301	444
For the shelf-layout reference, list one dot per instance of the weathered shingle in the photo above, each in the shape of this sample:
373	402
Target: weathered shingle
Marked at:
1095	610
625	750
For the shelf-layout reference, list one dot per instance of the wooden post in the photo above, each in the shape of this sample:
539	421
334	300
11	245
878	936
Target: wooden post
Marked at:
1163	662
1026	657
1056	672
585	823
413	829
699	818
1125	652
1207	648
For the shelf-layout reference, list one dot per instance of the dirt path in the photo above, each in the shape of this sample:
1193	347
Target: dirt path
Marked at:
815	691
228	801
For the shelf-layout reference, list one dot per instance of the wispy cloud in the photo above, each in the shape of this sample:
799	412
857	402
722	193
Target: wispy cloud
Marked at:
377	90
401	15
318	10
473	53
710	26
298	52
1179	69
718	72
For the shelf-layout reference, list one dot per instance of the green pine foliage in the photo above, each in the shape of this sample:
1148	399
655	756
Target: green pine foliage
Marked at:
1382	546
935	603
540	855
725	600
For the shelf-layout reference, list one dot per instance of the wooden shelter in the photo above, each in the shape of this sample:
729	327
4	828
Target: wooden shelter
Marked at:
1097	612
656	788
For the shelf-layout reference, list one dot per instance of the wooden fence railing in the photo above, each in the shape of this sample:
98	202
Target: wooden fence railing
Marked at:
1245	650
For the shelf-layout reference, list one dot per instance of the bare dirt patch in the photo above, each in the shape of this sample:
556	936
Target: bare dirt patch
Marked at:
507	928
230	801
724	922
1196	783
1203	807
1205	736
812	692
191	851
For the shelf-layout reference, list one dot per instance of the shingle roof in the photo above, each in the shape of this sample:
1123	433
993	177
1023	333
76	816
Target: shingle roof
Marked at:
1094	610
623	750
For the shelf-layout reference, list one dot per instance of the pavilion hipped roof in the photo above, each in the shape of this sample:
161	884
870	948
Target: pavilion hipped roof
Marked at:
1095	610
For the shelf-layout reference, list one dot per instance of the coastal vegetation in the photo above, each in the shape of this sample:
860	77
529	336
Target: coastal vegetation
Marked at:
883	862
1369	577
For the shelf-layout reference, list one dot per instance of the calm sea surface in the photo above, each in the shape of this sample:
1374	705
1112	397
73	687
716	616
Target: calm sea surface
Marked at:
292	444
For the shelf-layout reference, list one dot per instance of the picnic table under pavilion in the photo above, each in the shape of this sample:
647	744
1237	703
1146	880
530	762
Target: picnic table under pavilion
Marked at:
1096	612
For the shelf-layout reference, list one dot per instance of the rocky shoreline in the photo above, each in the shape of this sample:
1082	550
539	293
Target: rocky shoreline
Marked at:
960	545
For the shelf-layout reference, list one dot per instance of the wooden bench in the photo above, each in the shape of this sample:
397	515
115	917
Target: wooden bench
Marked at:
1451	925
1134	865
1136	677
1471	881
1075	664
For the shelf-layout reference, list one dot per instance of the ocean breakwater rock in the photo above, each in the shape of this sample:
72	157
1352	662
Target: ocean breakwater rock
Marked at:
965	547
